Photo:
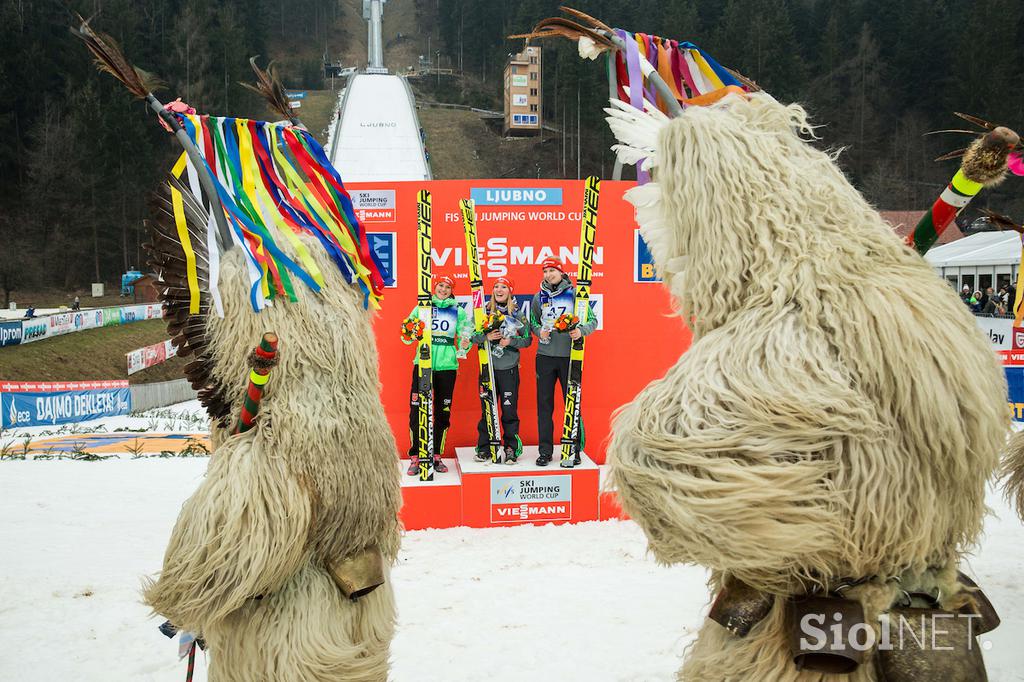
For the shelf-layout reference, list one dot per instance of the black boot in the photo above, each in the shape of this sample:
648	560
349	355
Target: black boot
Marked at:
543	460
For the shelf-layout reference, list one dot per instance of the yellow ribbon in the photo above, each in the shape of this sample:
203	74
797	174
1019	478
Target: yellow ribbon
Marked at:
706	70
178	204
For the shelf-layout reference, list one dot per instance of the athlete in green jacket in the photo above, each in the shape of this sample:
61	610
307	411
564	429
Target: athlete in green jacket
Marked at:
450	331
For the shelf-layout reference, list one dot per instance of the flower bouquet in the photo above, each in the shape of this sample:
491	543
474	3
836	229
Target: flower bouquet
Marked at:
412	329
510	327
566	322
492	322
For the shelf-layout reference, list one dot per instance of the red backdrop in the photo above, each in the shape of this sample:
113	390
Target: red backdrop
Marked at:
637	341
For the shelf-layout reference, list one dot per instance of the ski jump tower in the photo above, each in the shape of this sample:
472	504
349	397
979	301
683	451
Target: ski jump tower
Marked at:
377	133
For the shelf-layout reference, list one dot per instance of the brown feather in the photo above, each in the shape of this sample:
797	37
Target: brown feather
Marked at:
952	130
269	86
595	23
956	153
1001	221
109	58
558	26
750	85
980	122
187	330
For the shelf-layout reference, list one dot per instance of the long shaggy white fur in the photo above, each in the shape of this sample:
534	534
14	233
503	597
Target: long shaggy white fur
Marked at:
817	428
1012	472
327	636
315	481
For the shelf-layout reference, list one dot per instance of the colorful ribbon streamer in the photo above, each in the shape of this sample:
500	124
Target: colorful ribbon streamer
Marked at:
692	75
275	182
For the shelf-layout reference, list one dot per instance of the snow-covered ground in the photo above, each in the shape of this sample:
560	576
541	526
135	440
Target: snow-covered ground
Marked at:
580	602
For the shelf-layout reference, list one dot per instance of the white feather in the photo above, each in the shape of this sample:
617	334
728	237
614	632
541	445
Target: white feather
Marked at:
588	49
636	131
630	155
647	201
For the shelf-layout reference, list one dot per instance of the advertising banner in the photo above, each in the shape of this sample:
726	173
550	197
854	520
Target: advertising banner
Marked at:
111	317
519	224
88	319
133	313
149	356
58	324
34	330
531	498
1015	384
49	326
10	333
374	206
999	332
1008	342
644	271
51	403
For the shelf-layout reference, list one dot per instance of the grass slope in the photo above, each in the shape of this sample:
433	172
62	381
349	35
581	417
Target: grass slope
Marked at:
461	145
89	356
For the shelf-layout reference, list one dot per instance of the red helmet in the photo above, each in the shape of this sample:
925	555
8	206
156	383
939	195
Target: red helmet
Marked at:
506	281
552	262
444	278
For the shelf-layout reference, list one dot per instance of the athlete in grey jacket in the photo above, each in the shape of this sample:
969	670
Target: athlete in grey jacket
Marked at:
506	370
557	296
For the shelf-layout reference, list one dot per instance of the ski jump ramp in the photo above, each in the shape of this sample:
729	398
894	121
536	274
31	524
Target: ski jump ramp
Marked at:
377	134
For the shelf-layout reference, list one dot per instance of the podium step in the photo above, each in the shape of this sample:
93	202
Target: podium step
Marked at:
527	462
482	495
524	493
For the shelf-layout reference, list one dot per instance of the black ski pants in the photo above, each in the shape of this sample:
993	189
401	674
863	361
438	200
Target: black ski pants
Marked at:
506	383
549	370
444	387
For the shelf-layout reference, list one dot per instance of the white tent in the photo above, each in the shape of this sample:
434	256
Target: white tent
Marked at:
988	259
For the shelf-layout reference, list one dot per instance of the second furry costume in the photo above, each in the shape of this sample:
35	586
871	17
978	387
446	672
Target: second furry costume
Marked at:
817	436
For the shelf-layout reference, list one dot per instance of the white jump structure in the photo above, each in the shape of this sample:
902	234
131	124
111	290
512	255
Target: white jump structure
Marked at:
376	136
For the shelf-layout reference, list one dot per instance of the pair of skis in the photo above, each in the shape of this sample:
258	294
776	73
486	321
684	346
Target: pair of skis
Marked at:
488	396
425	310
488	390
572	426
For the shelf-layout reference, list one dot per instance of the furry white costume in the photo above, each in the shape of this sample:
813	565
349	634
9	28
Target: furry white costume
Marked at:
838	414
258	553
279	559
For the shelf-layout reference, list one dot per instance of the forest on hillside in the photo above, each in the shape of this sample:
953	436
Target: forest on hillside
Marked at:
876	74
80	157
